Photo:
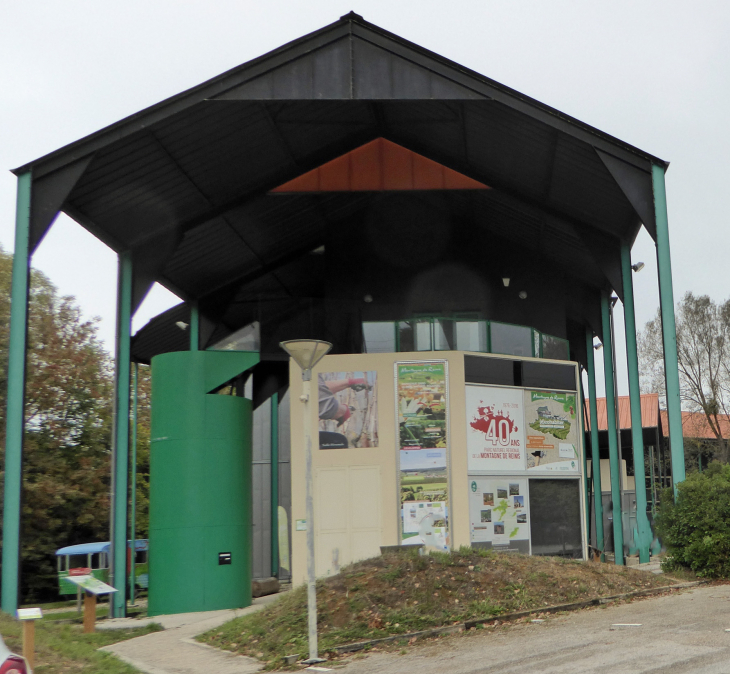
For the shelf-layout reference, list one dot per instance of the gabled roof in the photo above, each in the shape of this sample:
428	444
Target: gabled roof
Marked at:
184	185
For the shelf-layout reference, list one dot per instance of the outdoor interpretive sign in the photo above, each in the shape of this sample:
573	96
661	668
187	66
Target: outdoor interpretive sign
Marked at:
498	510
421	392
495	438
348	409
91	585
551	429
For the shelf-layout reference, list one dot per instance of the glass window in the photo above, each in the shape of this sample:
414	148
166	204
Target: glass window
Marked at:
555	348
536	343
471	335
513	340
443	334
379	337
245	339
555	524
414	335
548	375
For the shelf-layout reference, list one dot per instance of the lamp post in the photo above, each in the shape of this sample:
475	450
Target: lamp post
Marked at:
307	353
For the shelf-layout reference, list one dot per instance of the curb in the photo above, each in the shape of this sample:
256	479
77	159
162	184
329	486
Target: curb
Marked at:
506	617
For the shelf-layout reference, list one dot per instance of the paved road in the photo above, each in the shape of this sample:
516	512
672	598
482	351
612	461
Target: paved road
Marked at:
679	633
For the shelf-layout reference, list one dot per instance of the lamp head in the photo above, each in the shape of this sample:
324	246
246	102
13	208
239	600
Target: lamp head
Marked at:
638	266
505	281
306	353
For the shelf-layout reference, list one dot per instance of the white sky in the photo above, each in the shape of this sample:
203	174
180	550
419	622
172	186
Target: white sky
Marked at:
655	73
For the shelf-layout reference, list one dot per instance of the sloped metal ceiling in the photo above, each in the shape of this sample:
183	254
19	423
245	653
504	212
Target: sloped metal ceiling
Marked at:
186	181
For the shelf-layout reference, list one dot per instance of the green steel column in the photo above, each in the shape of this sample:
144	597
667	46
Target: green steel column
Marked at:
669	330
637	436
595	455
133	487
585	455
275	485
120	447
15	419
653	496
618	532
194	327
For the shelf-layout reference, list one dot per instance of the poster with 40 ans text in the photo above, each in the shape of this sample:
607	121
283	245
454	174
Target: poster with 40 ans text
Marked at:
495	422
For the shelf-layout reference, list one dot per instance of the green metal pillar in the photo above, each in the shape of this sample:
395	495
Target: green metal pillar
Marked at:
618	532
133	487
669	330
595	455
120	446
643	527
275	485
586	490
194	327
15	419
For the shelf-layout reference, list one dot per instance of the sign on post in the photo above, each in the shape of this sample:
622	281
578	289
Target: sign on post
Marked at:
29	616
92	587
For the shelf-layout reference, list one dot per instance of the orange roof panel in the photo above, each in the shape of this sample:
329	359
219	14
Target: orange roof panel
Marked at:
378	166
649	411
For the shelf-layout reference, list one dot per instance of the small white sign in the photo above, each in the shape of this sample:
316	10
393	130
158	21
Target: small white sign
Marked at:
301	525
567	451
29	613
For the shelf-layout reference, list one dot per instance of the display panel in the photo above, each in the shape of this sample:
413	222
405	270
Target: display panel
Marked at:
499	512
421	394
551	429
495	438
348	409
555	520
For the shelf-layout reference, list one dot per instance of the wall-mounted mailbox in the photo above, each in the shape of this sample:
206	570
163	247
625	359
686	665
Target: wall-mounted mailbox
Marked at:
224	558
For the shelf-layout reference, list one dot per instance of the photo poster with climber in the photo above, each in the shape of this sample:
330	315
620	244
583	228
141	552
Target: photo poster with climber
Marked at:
552	431
348	409
421	394
498	510
495	429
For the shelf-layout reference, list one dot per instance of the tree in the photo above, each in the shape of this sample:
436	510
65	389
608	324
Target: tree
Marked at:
67	451
703	350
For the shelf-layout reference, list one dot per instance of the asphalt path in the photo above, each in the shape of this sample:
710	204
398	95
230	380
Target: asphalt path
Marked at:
676	633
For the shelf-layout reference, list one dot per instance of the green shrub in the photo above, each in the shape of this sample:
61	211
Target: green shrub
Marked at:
696	528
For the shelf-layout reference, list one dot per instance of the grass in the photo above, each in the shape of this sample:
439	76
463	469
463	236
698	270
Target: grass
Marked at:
62	649
399	593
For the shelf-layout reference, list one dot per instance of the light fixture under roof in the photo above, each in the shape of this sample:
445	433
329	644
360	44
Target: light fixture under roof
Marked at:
523	294
368	298
505	280
182	325
638	266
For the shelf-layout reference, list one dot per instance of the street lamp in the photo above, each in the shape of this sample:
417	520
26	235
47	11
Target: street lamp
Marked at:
307	353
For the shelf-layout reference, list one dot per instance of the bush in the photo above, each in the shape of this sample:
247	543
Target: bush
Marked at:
696	528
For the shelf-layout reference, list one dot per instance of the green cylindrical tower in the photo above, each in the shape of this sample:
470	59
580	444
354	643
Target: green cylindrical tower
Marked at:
200	484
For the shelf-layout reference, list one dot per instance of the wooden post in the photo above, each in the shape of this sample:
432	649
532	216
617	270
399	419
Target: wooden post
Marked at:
29	642
89	612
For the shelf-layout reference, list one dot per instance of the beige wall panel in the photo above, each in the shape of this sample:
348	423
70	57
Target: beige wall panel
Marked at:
365	544
332	551
331	500
365	498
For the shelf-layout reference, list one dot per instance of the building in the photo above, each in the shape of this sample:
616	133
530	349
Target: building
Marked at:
452	236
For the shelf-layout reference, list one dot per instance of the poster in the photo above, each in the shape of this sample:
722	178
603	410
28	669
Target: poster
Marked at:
422	456
348	409
552	431
422	405
495	433
498	510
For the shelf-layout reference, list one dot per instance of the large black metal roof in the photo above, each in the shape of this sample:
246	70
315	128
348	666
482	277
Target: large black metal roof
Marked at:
185	183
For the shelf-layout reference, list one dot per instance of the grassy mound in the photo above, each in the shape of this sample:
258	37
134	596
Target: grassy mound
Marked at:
404	592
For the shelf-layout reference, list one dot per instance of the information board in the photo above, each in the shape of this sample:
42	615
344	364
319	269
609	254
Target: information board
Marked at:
495	435
551	429
498	510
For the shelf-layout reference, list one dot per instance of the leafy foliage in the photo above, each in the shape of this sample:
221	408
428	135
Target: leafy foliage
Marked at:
696	528
67	451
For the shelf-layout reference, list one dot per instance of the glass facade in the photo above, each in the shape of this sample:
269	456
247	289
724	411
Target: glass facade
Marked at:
461	334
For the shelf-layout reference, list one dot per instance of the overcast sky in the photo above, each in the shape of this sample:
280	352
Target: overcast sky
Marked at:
655	73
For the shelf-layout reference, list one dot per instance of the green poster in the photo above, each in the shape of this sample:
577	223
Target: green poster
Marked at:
422	405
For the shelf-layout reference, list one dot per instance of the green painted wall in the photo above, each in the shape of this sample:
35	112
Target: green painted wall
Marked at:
200	484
